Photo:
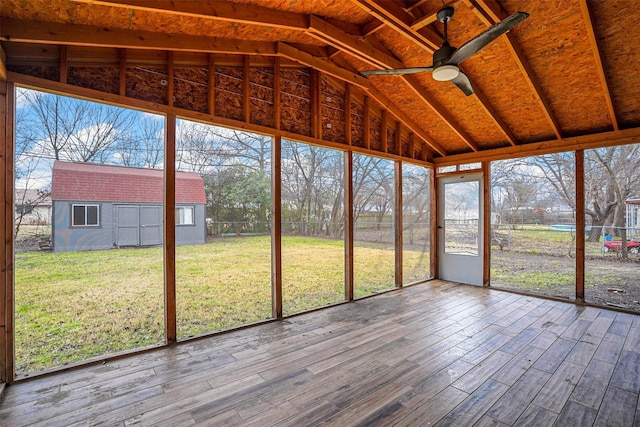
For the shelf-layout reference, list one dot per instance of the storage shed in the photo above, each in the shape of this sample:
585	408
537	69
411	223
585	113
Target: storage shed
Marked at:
101	207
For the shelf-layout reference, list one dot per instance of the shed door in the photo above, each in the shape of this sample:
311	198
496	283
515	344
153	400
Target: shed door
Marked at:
127	225
150	225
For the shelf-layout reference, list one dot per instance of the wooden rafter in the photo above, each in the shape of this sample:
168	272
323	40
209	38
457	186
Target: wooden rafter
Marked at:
214	9
85	35
491	13
334	36
599	68
397	18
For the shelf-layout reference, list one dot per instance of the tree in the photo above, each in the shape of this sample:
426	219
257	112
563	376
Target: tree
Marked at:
64	128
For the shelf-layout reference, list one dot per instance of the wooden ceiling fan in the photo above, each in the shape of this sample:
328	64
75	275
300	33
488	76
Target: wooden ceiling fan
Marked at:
446	59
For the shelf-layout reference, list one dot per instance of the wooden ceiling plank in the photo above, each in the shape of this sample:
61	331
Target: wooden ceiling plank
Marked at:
85	35
497	14
399	20
219	10
586	13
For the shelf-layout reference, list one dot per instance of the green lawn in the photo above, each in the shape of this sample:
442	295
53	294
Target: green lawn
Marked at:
76	305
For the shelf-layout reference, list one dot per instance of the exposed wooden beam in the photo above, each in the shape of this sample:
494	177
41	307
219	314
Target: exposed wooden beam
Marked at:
334	36
84	35
64	66
214	9
597	140
384	135
211	85
586	13
3	64
399	20
246	90
366	123
494	14
122	72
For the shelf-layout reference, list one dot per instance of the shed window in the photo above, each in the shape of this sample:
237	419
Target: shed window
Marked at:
184	215
85	215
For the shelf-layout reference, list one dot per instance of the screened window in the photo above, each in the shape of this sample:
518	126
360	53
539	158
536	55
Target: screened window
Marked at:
85	216
184	215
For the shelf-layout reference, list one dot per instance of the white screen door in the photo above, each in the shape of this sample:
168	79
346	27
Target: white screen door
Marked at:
460	228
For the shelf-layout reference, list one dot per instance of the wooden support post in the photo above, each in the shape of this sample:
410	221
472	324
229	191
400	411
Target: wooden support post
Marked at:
398	223
398	139
211	85
412	145
171	82
276	93
170	229
580	226
7	136
366	123
435	233
347	115
246	90
64	66
276	226
348	225
486	224
316	109
384	136
123	72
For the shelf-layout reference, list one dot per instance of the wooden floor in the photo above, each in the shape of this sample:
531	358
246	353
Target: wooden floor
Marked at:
437	353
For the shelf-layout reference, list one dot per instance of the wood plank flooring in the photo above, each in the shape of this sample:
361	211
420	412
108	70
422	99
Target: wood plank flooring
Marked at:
432	354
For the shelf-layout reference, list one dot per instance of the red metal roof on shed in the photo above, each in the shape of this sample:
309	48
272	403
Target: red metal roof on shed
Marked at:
103	183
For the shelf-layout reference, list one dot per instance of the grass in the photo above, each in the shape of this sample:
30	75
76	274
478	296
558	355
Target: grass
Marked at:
72	306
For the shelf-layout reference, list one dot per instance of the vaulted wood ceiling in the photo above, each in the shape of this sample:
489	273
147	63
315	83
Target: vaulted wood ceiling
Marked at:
565	76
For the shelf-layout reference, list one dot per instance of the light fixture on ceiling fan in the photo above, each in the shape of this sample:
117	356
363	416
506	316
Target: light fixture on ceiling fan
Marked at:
445	60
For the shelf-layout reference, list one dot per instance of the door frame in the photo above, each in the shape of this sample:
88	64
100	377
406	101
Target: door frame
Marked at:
474	270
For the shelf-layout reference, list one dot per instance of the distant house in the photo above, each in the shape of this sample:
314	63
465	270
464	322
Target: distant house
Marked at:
32	207
101	207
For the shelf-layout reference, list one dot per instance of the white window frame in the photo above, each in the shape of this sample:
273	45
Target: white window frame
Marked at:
181	218
86	216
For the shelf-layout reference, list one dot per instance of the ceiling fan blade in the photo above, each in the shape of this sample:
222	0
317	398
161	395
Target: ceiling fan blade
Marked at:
483	39
463	83
397	71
